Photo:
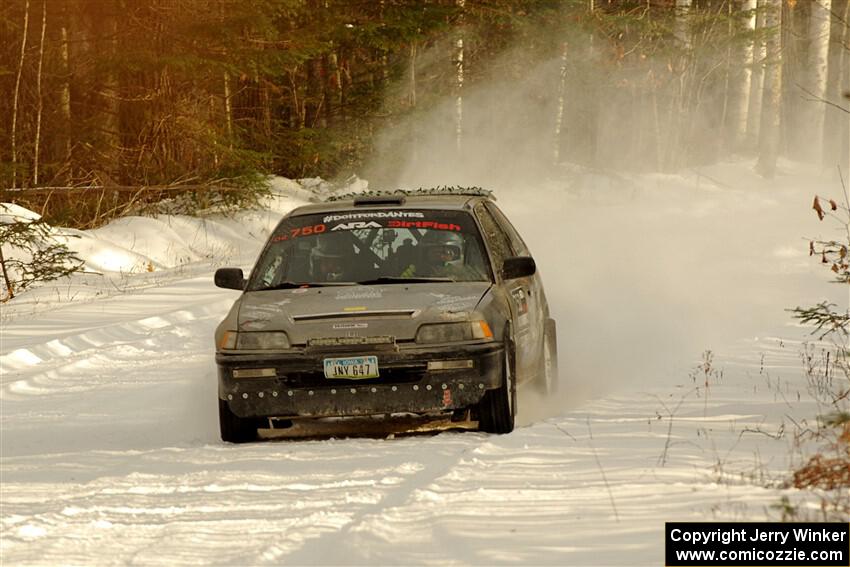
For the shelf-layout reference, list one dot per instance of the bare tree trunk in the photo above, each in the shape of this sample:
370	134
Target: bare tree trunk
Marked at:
266	101
331	85
815	76
559	114
749	53
263	113
772	96
384	66
109	95
328	98
345	82
296	119
845	84
656	122
17	95
336	78
743	82
215	142
411	93
680	26
314	99
833	118
459	82
228	109
795	132
65	106
678	122
589	120
411	101
38	93
727	113
757	78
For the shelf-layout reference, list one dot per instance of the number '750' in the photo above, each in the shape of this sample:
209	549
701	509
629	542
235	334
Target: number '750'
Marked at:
301	231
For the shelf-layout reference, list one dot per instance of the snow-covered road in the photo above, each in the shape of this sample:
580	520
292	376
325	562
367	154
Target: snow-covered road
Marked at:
110	448
110	453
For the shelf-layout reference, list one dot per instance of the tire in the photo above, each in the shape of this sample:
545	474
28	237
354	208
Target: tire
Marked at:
235	429
497	409
547	377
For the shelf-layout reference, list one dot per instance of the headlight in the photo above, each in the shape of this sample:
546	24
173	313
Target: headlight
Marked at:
453	332
262	341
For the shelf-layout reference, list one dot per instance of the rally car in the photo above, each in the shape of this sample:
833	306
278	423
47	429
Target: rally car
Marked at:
417	302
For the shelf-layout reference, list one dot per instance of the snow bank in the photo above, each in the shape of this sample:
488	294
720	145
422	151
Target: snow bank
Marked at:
11	213
140	251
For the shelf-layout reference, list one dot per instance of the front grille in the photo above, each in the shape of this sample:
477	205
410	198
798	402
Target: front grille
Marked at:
338	342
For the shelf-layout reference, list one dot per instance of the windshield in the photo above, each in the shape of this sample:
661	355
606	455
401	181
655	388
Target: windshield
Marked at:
370	246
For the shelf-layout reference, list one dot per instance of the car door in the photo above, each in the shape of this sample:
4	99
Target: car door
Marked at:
515	291
530	292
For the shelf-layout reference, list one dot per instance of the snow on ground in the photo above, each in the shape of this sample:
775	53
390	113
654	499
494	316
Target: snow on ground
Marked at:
109	448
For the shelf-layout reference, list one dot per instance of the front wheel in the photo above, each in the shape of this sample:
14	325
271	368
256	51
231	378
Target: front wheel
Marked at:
497	409
235	429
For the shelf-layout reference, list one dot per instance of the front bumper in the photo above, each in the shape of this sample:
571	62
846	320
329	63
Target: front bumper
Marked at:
300	389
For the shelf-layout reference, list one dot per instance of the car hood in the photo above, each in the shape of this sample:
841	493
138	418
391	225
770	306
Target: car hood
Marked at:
394	310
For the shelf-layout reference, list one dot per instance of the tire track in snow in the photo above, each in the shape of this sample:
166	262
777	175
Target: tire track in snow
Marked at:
224	508
330	544
537	496
134	373
65	366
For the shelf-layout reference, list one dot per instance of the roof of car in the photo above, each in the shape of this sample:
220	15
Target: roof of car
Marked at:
419	199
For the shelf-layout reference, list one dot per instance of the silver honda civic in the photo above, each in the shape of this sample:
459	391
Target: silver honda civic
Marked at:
418	302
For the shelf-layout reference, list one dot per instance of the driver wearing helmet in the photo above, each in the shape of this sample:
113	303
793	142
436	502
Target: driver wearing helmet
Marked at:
327	260
441	255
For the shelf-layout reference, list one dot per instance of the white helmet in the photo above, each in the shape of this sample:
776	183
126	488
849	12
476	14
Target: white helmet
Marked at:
440	248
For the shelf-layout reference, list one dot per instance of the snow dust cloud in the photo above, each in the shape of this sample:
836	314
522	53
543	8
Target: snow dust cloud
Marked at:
643	271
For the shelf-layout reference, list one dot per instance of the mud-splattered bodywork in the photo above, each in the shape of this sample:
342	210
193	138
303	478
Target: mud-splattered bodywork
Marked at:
349	320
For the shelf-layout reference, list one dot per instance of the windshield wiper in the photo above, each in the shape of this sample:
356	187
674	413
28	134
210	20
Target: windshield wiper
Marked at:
292	285
398	280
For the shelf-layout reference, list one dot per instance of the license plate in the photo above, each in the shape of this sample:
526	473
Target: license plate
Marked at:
354	368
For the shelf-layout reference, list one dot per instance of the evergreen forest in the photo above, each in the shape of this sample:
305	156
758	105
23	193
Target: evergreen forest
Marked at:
186	93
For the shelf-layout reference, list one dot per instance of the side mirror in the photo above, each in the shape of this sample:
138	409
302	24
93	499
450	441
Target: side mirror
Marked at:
230	278
518	267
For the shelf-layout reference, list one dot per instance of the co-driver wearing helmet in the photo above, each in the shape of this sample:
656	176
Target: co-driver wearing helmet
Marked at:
441	255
